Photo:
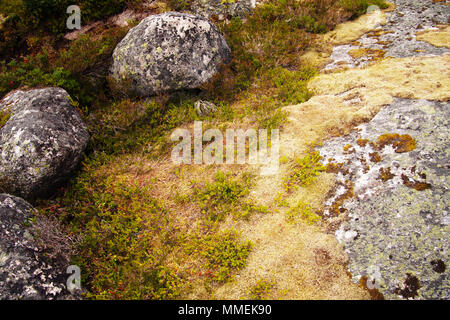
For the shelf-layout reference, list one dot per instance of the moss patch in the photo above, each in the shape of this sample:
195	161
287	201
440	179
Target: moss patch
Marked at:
438	38
4	117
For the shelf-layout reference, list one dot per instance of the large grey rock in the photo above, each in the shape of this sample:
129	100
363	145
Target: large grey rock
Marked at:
167	52
25	273
41	143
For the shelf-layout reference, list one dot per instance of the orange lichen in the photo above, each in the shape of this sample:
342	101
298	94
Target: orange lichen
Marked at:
375	157
400	143
336	208
362	142
334	167
412	183
385	174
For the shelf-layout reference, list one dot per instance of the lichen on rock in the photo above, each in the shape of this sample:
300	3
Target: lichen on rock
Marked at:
41	143
393	223
25	272
167	52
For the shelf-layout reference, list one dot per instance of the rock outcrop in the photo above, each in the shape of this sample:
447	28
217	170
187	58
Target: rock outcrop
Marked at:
168	52
41	143
389	205
25	272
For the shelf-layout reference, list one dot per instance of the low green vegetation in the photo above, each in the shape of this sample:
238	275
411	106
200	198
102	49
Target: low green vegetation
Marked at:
359	7
262	289
131	243
304	171
226	196
223	252
302	211
79	68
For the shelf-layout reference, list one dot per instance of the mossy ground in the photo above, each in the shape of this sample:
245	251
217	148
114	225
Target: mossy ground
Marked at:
153	230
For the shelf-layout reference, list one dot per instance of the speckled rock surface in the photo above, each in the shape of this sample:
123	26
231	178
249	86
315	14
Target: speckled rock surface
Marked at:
223	9
397	38
41	143
393	228
167	52
24	273
390	205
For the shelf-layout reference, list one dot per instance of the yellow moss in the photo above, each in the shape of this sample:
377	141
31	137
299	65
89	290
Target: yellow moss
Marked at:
316	59
353	30
438	38
409	78
373	54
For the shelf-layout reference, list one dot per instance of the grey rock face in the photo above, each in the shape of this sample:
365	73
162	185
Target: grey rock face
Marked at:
167	52
24	273
41	143
397	228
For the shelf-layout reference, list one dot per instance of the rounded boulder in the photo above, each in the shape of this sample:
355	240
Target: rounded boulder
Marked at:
167	52
41	143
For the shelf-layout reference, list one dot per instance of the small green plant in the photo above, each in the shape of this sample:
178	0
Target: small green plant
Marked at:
304	171
302	211
262	289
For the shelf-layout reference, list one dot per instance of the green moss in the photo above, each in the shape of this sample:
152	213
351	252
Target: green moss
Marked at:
4	117
224	254
226	196
304	171
302	211
261	290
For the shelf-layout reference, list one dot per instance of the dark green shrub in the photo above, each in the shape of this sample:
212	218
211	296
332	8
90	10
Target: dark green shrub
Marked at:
359	7
53	16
